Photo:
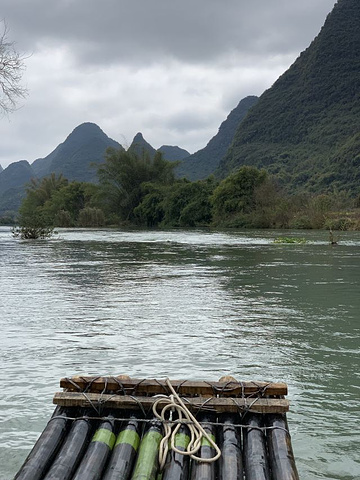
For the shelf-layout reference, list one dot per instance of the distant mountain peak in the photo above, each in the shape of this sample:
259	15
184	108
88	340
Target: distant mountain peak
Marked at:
173	153
87	126
86	130
139	136
15	175
139	146
75	157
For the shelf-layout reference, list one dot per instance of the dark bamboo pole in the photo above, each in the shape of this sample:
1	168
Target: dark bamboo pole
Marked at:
201	470
44	450
147	463
71	452
177	465
123	457
255	453
282	462
97	453
230	462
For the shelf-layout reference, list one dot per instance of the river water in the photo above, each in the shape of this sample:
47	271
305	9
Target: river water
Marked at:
185	304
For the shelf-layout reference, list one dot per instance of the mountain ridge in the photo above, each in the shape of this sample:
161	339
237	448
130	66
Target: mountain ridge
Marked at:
84	147
304	128
75	158
205	161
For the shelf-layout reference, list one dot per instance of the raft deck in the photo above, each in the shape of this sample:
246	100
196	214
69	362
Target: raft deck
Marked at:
106	428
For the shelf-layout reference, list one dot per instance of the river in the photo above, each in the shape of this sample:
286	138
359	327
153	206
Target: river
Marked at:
194	304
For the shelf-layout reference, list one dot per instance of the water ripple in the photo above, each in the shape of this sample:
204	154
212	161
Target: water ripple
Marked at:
185	304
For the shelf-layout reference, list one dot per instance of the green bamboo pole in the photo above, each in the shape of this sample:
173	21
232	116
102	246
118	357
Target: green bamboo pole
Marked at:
177	465
123	457
201	470
147	463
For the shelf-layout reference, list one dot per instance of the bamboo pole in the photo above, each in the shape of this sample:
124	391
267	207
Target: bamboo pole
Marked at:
255	454
282	462
97	453
177	466
201	470
147	463
44	450
123	457
230	462
71	452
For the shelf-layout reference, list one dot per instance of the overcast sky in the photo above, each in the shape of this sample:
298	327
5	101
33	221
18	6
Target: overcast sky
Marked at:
171	69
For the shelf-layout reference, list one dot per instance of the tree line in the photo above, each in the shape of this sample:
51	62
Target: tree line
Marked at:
138	190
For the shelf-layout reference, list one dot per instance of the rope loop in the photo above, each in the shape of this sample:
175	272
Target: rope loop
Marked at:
175	404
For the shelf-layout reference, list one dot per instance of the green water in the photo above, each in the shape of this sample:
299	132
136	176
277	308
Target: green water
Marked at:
186	304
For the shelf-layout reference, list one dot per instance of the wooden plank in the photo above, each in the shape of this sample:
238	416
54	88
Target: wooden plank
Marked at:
133	386
219	405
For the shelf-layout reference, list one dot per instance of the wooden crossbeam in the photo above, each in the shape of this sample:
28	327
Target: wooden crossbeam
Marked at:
219	405
133	386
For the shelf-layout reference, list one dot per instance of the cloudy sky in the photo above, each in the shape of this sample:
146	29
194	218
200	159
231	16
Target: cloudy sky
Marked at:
171	69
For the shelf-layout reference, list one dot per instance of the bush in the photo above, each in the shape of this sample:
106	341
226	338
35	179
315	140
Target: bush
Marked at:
300	222
91	217
32	233
63	219
339	224
33	225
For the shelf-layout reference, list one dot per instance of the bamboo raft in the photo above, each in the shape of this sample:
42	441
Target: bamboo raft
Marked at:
105	428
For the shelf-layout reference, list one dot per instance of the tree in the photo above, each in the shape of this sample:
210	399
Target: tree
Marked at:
91	217
150	211
180	204
122	176
188	204
11	70
70	198
236	194
34	219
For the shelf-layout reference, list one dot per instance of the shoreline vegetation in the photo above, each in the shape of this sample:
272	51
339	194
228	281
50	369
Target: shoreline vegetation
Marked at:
136	190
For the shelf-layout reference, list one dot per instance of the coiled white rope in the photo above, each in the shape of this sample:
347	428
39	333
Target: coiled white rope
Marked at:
197	432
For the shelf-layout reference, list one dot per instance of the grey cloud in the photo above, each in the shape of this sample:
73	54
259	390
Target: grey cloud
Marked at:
172	69
188	121
133	31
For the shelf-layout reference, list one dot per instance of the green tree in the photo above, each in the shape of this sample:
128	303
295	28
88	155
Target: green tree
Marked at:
39	191
91	217
65	204
235	195
272	207
122	176
188	204
34	219
150	211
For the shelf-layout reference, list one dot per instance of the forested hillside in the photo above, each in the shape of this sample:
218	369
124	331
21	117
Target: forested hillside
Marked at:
204	162
306	128
74	158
